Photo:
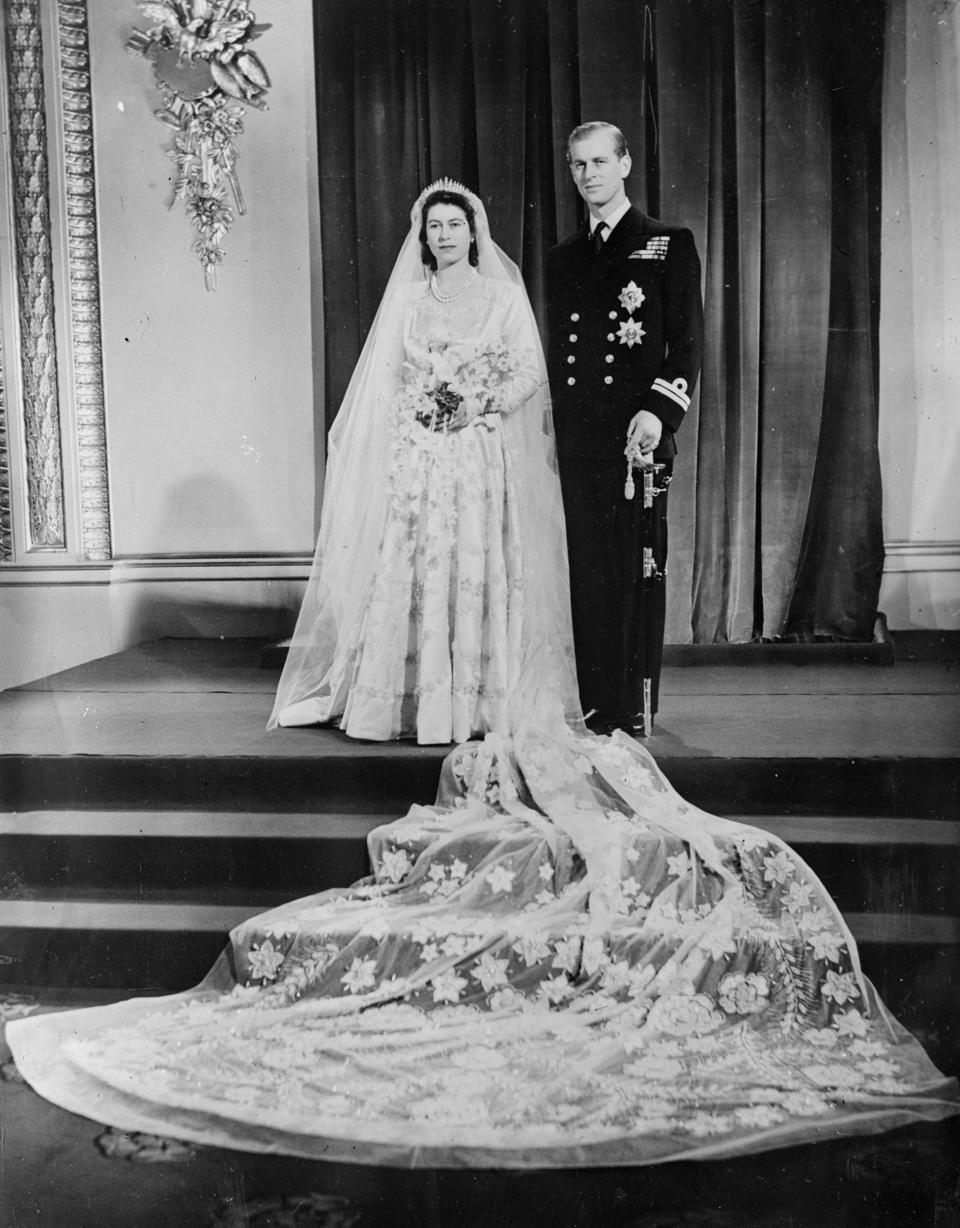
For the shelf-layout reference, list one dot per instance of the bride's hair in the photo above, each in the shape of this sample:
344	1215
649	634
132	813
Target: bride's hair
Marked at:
445	197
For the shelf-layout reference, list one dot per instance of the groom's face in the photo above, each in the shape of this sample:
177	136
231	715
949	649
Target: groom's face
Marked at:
598	172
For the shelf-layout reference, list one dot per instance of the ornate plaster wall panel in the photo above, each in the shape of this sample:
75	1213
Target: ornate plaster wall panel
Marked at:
78	158
6	533
28	156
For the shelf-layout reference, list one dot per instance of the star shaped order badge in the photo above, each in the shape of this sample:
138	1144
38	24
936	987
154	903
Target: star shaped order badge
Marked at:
632	297
631	333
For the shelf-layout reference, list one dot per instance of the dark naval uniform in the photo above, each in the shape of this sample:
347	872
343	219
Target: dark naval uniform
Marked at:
625	334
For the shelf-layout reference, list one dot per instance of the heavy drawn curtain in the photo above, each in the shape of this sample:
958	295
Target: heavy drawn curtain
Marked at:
754	122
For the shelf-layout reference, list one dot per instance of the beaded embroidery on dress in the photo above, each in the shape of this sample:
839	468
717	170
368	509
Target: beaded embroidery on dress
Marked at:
559	963
439	648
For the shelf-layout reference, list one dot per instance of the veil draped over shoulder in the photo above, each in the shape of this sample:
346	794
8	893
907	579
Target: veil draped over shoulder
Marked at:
356	494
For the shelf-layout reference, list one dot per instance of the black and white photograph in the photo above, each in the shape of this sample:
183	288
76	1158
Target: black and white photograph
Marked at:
479	613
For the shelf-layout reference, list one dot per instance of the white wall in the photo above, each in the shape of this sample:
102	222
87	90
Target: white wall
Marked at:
211	398
920	317
210	395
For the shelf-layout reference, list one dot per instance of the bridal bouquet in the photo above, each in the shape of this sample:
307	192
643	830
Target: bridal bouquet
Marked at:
447	389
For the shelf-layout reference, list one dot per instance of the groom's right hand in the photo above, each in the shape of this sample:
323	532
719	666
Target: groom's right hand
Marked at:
643	433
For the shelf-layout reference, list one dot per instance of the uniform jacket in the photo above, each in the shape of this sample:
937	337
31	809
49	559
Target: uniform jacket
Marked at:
625	333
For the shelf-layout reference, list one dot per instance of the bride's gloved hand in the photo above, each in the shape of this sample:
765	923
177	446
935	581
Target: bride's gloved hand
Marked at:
473	410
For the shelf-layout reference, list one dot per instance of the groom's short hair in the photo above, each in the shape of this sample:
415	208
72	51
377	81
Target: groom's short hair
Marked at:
582	131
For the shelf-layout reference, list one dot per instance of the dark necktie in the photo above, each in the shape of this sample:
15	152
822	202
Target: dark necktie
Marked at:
597	238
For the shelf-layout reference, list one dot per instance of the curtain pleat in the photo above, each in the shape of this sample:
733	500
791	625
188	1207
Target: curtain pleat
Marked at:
841	559
683	121
614	57
795	290
724	496
753	122
565	109
500	61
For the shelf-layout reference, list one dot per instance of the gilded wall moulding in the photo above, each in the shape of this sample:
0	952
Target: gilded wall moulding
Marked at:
206	73
84	277
30	175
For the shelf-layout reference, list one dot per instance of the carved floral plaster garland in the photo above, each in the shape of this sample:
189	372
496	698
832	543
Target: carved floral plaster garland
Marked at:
204	68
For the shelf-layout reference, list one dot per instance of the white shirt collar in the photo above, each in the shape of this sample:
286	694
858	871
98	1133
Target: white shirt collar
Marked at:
611	220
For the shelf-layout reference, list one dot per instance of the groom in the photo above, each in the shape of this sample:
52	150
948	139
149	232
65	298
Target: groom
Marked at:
625	320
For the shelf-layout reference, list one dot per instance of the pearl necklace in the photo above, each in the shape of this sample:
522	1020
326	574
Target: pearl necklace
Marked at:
449	298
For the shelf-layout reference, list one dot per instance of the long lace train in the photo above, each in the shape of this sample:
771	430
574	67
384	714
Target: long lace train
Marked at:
561	962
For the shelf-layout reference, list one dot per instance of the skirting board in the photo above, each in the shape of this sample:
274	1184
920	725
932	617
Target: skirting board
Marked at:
52	618
921	585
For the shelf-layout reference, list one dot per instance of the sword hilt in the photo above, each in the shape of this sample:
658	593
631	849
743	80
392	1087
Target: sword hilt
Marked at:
647	708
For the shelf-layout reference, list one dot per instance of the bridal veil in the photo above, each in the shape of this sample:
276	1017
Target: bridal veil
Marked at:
355	499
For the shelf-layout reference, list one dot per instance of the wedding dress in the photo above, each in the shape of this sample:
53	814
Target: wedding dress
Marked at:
440	573
438	650
559	963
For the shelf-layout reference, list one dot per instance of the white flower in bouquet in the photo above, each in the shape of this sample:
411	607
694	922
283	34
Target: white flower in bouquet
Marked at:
447	389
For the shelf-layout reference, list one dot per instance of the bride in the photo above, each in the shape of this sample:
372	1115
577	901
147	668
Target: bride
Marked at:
558	963
440	570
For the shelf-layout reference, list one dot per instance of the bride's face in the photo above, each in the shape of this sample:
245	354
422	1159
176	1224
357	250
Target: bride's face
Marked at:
448	235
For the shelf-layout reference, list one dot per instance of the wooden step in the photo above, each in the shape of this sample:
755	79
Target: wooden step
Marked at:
389	779
194	824
868	863
190	915
914	961
877	652
286	825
